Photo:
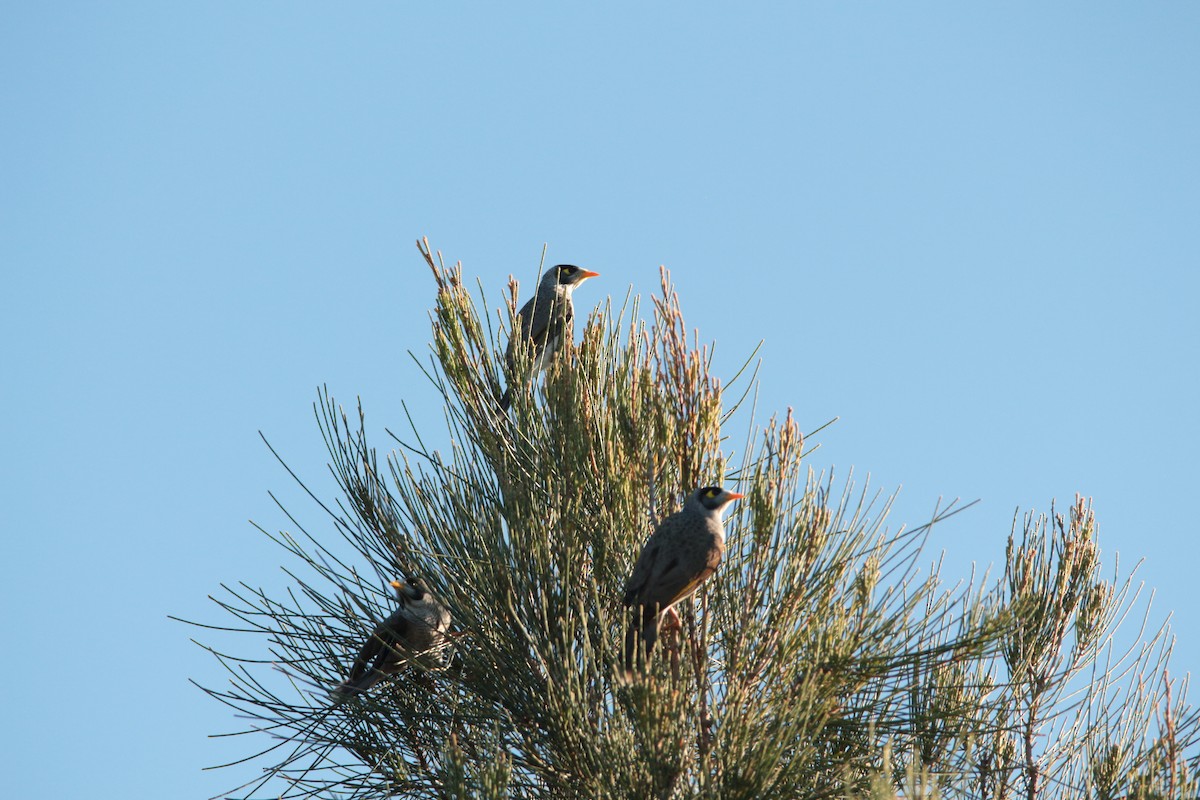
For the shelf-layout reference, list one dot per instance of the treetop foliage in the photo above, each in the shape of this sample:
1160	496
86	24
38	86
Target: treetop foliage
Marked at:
821	660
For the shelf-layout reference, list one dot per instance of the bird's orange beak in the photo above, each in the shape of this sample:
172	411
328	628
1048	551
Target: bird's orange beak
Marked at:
587	273
735	496
396	584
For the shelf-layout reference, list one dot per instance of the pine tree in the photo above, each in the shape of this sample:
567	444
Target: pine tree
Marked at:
821	660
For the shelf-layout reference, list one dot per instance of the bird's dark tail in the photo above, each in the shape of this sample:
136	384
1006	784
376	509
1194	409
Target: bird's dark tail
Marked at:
360	685
505	400
648	630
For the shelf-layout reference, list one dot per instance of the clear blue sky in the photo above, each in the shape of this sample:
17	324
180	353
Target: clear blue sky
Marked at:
970	231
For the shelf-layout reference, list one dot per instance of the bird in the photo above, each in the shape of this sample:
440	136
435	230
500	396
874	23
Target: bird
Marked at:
418	627
544	319
683	551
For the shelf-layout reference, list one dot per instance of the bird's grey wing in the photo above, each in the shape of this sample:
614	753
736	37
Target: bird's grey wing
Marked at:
680	583
548	320
525	315
642	571
378	648
677	578
366	656
683	563
659	556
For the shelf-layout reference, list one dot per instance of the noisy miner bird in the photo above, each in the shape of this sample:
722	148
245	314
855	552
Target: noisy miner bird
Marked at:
683	551
418	627
545	318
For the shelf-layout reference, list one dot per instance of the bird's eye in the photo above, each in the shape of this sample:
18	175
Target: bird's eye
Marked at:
712	491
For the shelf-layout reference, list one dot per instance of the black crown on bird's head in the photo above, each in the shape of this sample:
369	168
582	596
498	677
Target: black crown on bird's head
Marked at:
411	589
714	497
570	275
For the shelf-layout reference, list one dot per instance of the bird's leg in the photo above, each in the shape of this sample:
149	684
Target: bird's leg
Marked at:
671	620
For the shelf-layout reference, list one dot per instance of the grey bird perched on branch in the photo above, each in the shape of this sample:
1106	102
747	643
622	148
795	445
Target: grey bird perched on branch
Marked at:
544	319
418	627
683	551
